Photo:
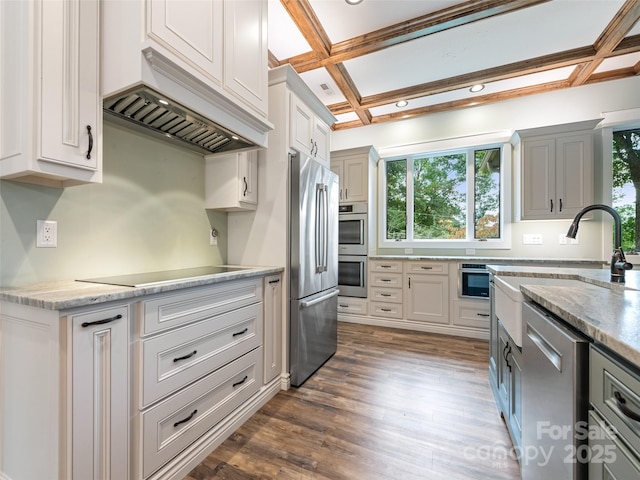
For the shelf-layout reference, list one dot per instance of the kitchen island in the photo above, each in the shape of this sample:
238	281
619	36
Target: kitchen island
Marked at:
607	312
132	383
573	362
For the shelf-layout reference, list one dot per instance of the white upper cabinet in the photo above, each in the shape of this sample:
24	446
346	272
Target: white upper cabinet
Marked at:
210	55
309	134
231	181
245	50
356	169
556	171
51	117
191	31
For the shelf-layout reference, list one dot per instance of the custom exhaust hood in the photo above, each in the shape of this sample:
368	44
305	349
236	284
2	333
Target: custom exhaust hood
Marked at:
151	112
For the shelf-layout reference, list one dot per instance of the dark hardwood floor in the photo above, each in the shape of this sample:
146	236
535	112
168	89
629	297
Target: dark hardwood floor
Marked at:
391	404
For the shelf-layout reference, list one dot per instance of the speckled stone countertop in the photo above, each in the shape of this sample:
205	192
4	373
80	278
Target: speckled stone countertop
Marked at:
607	312
64	295
497	260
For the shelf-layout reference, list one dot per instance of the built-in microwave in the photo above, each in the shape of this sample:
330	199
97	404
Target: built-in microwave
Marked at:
473	280
352	229
352	275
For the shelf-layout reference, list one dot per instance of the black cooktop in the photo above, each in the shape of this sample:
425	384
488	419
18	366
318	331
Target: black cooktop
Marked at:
156	278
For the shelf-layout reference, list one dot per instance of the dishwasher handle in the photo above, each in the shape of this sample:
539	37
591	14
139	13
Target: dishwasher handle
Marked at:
545	347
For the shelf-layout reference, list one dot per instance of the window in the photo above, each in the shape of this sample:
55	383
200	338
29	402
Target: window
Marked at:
626	186
444	199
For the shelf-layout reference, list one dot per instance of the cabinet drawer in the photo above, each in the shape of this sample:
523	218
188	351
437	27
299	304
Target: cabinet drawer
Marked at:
469	313
389	310
610	384
169	427
430	268
610	459
176	358
168	311
385	266
352	305
389	295
388	280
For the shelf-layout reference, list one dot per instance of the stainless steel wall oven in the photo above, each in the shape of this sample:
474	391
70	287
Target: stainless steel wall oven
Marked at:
352	250
473	280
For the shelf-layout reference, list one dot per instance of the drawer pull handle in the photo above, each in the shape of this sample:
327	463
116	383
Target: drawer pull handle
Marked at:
342	305
622	406
385	294
271	282
186	419
240	382
189	355
426	268
482	314
241	333
90	142
101	322
385	309
385	279
385	266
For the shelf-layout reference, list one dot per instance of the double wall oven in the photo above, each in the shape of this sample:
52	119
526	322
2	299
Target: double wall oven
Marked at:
352	250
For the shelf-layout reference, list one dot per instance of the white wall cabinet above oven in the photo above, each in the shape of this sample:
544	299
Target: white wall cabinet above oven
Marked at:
356	169
51	116
309	133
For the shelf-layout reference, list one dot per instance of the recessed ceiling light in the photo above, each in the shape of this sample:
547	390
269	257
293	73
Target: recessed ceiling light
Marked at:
353	2
476	88
163	102
402	103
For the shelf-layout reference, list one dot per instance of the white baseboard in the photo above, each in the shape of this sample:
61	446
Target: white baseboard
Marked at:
454	330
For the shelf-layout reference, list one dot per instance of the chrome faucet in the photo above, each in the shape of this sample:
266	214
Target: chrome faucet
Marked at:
618	262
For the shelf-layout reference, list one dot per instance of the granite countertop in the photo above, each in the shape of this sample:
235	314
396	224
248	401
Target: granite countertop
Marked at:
68	294
497	260
607	312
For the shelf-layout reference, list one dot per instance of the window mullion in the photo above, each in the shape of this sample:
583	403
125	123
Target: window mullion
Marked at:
471	195
410	199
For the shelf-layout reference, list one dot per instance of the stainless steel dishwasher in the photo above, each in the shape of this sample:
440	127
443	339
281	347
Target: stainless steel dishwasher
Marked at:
554	398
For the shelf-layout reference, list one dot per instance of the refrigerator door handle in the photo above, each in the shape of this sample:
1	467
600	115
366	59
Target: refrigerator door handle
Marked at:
316	301
317	246
325	261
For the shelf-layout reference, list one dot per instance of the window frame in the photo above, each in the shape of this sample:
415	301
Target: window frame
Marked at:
504	242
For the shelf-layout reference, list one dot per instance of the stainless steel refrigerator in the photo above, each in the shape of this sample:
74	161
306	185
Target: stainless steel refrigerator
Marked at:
313	267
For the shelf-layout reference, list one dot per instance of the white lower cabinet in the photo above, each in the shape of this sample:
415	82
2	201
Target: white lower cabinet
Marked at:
272	327
176	422
140	389
427	292
471	313
352	305
99	380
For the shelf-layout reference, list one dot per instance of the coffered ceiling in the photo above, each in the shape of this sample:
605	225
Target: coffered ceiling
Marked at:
360	60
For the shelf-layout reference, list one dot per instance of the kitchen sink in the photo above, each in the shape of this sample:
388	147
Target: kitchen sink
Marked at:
508	299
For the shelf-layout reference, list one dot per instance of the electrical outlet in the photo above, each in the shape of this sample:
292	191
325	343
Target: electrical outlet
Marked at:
408	250
532	239
213	237
575	241
46	233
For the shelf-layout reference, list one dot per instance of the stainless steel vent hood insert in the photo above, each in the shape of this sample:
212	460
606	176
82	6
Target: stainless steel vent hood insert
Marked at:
154	113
